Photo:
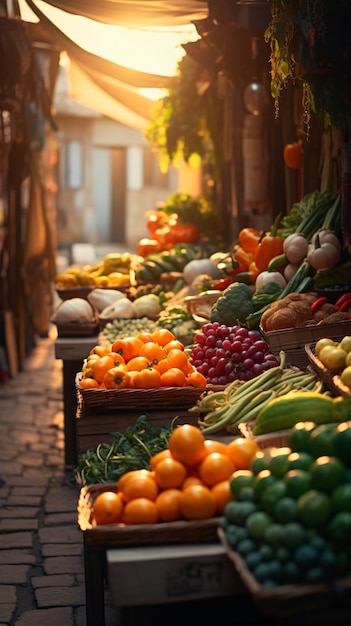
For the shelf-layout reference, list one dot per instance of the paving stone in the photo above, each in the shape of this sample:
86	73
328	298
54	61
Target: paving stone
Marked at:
13	574
18	524
15	557
7	594
60	518
64	580
60	596
19	511
6	612
30	501
63	565
65	549
16	540
61	616
59	534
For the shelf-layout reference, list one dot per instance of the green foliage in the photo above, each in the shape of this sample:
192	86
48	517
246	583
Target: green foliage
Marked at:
198	211
185	122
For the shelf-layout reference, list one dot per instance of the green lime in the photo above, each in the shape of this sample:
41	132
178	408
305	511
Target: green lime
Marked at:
245	546
314	575
283	554
262	480
266	551
297	482
341	497
272	494
314	508
342	443
340	526
239	479
300	460
291	572
328	560
274	534
306	556
299	440
327	472
234	534
261	572
256	524
275	570
285	510
295	534
237	511
258	462
253	559
278	463
247	493
322	440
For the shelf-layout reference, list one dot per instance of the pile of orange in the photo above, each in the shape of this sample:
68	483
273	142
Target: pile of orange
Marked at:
189	480
144	361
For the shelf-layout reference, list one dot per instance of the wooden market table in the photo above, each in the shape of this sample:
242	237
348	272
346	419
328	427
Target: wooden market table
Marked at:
72	351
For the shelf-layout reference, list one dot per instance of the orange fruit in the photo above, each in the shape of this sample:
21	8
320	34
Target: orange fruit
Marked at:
140	486
162	336
140	511
216	467
159	456
169	473
168	504
222	494
241	451
107	508
123	479
191	480
215	446
187	445
174	343
198	503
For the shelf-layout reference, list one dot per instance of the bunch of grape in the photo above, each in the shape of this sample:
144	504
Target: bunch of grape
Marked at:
227	353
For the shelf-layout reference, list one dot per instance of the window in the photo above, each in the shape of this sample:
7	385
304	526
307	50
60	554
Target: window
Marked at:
72	165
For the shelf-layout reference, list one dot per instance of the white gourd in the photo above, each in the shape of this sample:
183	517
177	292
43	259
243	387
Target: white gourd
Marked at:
200	266
74	310
122	309
101	298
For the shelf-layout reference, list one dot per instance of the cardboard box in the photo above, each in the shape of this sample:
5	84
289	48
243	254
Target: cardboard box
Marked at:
170	573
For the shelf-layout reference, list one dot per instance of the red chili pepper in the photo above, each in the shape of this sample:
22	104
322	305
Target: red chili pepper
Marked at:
345	306
342	299
223	283
318	303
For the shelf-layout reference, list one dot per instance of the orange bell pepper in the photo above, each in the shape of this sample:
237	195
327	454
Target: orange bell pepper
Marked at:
116	378
249	239
270	246
243	258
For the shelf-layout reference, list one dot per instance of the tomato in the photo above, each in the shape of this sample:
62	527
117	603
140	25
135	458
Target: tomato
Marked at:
198	503
173	377
314	508
196	379
147	246
88	383
292	154
116	378
107	508
100	366
147	379
169	473
187	444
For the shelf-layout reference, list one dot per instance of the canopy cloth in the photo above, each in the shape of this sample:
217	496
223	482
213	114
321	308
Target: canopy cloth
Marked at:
136	13
106	86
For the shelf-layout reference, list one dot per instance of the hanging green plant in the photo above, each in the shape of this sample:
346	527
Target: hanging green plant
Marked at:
187	123
308	42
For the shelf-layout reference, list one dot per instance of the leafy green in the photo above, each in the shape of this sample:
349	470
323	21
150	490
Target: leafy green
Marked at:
129	450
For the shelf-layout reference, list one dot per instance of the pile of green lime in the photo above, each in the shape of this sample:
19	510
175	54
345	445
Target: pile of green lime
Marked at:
290	513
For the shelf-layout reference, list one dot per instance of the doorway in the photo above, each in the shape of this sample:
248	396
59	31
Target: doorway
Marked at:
109	193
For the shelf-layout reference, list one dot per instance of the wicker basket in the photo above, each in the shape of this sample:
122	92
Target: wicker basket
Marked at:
288	599
332	381
164	398
202	531
292	338
278	439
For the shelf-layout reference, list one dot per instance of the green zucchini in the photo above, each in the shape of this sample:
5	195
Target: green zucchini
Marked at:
285	411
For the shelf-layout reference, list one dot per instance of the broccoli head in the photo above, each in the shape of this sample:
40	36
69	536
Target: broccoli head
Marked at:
233	306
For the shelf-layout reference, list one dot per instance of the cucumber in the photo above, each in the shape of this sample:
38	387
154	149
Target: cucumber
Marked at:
278	262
